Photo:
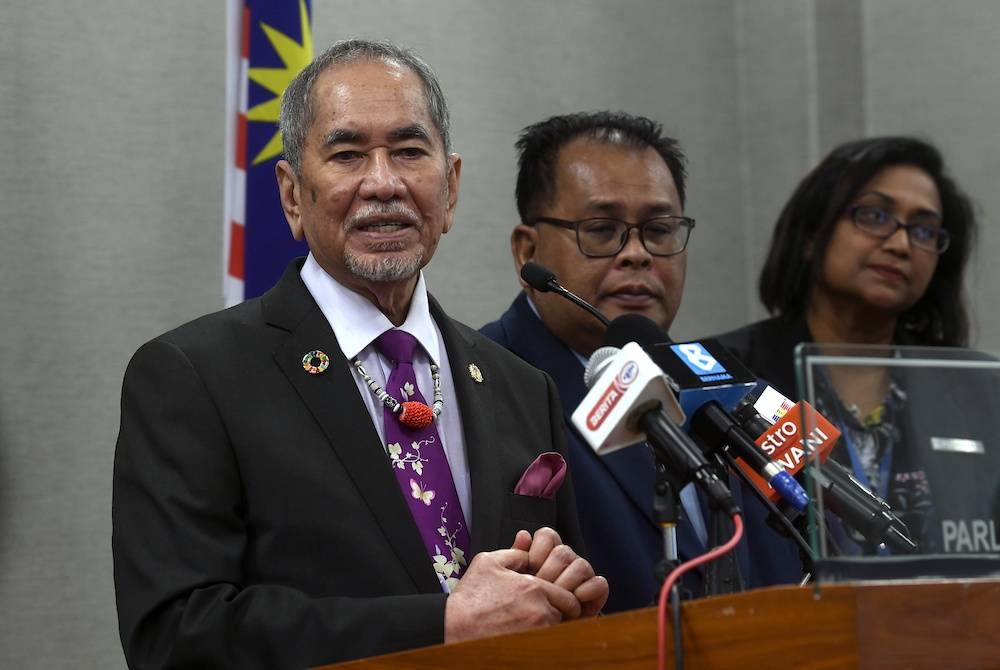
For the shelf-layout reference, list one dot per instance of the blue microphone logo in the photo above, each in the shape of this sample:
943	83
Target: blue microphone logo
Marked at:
700	362
628	374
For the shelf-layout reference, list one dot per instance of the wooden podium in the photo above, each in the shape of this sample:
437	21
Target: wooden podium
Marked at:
950	624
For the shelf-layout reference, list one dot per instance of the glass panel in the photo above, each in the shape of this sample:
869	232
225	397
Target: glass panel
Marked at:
920	429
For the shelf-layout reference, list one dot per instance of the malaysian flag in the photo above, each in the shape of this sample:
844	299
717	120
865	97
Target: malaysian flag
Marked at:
268	43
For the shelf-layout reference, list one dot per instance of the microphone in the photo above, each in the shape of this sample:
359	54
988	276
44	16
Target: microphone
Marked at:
716	426
544	280
699	371
854	503
706	398
628	402
784	445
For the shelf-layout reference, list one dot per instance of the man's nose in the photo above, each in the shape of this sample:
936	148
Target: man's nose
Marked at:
381	180
634	252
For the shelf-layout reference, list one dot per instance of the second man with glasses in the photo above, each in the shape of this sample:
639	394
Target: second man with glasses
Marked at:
585	182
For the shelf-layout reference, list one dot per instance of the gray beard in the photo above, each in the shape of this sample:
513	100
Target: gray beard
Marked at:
386	269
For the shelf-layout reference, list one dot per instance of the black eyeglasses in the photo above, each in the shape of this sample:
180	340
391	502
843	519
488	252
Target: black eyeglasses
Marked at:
876	221
600	238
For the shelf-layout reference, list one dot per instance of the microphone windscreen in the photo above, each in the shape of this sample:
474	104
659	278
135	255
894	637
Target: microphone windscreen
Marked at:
599	360
537	276
635	328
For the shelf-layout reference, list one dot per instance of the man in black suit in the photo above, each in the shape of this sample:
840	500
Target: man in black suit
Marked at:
257	516
601	200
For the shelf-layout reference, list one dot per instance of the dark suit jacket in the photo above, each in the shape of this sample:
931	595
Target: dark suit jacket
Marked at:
768	348
615	492
256	519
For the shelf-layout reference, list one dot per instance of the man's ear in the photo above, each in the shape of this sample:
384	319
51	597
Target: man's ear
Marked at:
454	172
523	243
290	192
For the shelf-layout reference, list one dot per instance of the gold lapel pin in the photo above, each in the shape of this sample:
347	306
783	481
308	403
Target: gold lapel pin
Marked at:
475	373
315	362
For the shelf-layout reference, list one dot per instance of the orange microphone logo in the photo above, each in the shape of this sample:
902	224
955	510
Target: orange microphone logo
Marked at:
785	444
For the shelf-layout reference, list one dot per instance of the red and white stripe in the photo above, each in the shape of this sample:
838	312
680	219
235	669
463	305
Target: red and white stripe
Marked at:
237	64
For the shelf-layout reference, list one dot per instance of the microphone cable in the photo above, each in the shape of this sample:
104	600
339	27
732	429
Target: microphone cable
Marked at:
669	591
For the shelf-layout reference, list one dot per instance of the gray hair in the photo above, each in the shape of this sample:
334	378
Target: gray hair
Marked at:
296	104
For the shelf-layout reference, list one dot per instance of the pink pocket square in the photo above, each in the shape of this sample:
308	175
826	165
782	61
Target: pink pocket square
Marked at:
543	477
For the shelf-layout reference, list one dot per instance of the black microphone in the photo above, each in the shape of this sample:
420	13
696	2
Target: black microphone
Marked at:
544	280
854	503
700	371
627	402
707	418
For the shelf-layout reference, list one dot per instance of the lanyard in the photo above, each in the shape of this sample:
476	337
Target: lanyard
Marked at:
885	463
884	467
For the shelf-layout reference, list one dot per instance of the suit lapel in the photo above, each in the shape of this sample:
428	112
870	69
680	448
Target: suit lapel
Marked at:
475	401
332	398
532	341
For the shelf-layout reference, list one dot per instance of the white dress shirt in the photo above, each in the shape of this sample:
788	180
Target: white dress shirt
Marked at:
357	323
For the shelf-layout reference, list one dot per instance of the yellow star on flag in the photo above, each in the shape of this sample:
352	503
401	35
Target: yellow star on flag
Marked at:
295	56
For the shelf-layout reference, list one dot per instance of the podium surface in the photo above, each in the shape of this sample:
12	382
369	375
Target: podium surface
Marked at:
923	624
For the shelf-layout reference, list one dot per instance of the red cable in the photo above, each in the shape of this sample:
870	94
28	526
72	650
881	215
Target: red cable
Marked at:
680	570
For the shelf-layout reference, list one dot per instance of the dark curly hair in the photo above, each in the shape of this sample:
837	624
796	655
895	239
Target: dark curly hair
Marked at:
940	316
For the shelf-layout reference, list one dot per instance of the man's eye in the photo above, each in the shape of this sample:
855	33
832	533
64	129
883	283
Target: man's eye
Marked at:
659	229
411	152
344	156
602	229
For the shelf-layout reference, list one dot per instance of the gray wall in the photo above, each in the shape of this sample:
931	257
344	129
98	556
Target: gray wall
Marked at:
111	127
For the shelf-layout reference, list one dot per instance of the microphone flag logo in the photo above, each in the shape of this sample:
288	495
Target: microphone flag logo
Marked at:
613	394
698	359
788	443
623	384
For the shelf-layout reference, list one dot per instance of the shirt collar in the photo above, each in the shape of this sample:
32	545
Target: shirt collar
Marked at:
357	322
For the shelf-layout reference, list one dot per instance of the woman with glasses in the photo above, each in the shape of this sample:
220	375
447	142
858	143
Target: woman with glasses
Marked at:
870	249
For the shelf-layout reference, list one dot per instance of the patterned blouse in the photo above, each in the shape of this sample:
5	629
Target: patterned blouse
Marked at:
874	444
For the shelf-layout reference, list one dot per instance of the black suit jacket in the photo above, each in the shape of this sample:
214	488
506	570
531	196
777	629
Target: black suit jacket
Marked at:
256	518
768	348
615	492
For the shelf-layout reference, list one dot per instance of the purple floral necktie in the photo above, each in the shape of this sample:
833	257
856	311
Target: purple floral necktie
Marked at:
421	468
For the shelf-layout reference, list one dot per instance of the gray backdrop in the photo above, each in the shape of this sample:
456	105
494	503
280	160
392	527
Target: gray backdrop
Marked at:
111	129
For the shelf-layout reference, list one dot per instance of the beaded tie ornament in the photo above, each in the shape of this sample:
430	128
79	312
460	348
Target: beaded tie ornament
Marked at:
409	413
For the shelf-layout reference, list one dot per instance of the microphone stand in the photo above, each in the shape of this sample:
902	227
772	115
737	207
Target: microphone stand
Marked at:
780	523
666	513
723	574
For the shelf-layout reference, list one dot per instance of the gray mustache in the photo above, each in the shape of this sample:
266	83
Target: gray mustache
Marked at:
397	211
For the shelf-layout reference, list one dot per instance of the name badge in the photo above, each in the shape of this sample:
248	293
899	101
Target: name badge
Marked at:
957	445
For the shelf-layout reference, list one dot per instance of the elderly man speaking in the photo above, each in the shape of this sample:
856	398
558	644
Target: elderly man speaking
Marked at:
338	469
